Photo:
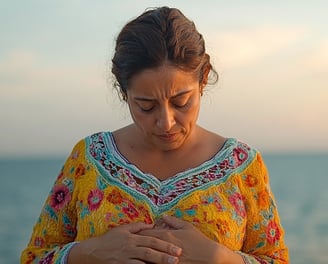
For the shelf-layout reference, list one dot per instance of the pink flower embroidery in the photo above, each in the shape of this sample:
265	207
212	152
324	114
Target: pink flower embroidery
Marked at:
94	199
239	155
238	202
38	242
60	197
272	232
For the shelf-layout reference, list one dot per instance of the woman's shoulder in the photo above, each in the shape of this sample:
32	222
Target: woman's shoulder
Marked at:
95	139
96	136
226	142
237	151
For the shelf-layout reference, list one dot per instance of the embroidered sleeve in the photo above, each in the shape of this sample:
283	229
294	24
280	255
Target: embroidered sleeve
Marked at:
264	241
55	230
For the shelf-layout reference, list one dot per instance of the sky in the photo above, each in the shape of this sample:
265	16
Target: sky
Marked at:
55	86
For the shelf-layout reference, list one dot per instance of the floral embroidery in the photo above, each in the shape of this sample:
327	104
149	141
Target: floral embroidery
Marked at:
60	197
48	258
263	198
272	232
69	229
168	192
238	203
95	198
38	242
127	207
130	210
240	155
251	181
30	257
218	197
115	197
80	170
223	228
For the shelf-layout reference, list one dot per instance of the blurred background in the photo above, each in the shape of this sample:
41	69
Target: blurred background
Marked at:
55	88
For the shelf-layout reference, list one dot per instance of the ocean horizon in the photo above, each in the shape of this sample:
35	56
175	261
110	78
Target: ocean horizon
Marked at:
298	181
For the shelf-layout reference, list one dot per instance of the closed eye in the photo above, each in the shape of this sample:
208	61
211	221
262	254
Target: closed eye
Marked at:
147	110
181	103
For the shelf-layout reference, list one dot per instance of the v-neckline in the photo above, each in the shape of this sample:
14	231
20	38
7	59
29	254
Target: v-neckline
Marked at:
110	141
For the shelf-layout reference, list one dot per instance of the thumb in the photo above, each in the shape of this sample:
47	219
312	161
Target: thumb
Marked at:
137	227
175	222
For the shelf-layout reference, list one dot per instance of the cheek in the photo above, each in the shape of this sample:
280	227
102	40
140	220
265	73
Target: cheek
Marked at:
142	120
188	118
192	113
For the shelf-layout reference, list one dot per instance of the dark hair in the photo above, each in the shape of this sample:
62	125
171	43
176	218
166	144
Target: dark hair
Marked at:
158	36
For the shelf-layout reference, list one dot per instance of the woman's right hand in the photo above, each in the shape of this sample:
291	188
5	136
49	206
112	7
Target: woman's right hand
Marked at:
123	245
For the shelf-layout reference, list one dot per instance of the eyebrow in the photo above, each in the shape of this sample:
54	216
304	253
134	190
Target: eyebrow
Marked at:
174	96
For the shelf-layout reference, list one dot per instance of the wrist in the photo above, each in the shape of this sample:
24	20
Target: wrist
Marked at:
224	255
80	252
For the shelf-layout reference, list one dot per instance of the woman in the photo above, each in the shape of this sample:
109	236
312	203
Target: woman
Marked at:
162	189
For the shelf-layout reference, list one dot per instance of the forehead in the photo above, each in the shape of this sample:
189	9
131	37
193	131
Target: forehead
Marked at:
165	79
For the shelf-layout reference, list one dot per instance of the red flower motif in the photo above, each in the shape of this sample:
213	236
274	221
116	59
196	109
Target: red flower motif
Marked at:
238	202
30	257
95	198
146	215
114	197
272	232
240	155
80	170
60	197
130	211
263	198
251	181
224	165
38	242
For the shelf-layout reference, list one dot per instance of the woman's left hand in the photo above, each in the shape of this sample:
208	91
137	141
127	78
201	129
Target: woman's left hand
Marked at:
196	247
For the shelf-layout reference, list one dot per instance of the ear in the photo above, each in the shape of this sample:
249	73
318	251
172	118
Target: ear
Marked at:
206	72
201	89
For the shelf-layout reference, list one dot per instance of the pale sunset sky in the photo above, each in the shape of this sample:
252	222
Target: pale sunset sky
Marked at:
272	57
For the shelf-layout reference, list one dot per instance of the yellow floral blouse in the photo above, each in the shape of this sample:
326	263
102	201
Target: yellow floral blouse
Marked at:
228	198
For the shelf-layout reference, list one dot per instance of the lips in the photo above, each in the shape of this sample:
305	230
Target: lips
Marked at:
168	137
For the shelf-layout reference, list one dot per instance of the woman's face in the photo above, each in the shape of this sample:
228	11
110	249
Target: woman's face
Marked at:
164	104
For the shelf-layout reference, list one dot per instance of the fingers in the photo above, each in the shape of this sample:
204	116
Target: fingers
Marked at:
149	248
160	224
137	227
153	256
158	244
175	222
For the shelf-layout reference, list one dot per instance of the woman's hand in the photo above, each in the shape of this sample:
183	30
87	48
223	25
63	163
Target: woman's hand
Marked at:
123	245
196	247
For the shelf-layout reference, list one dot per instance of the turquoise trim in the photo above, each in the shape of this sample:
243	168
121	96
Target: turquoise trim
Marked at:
162	189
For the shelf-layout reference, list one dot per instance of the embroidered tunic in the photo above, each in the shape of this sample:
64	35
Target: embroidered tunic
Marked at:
228	198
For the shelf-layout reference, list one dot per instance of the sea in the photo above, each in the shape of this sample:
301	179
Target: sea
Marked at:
299	182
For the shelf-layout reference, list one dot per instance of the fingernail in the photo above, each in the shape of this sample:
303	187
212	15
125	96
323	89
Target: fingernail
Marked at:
176	251
172	260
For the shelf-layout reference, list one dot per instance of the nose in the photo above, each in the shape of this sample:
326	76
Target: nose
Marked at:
166	119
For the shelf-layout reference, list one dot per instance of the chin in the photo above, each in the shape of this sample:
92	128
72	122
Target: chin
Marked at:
169	146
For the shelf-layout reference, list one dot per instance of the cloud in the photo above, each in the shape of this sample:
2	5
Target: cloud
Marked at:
317	60
27	74
244	47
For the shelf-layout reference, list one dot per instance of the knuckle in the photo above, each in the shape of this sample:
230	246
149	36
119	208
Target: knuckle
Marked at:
147	253
154	243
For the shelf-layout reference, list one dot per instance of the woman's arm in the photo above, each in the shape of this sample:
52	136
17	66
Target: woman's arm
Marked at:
264	238
55	230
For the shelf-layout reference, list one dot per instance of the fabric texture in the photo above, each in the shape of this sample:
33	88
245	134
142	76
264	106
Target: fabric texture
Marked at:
228	198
